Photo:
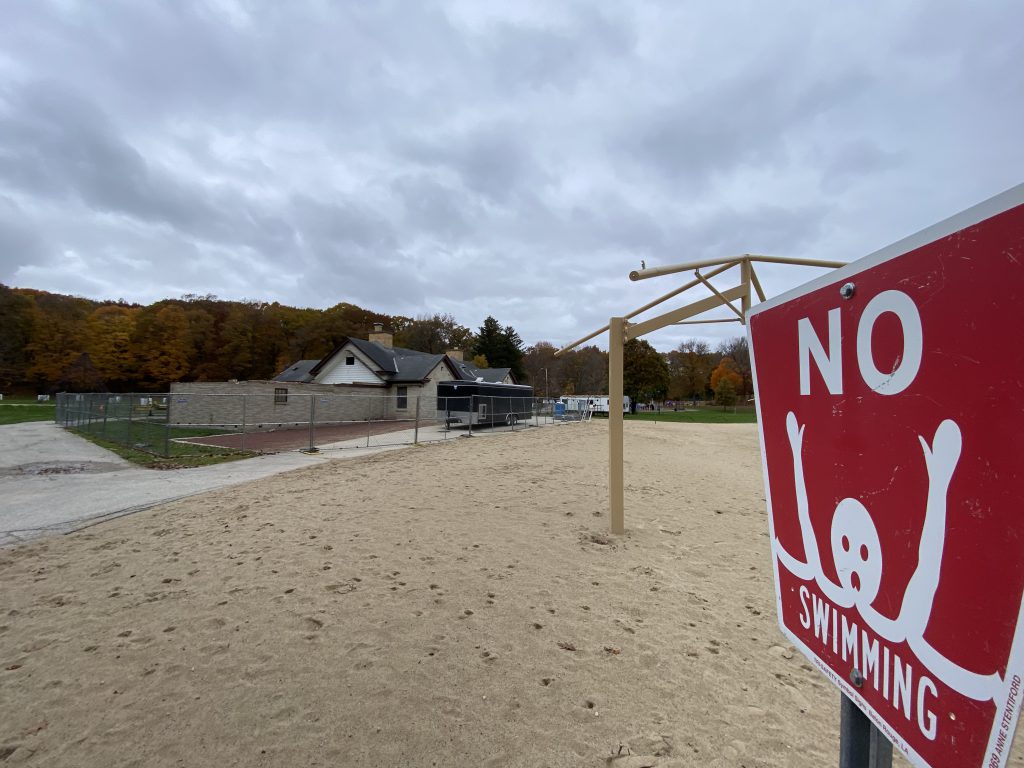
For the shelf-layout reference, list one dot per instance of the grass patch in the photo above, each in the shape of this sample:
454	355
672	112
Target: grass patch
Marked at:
15	412
153	445
700	416
198	455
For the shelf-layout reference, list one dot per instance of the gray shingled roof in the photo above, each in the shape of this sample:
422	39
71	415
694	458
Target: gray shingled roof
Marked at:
469	372
298	372
394	364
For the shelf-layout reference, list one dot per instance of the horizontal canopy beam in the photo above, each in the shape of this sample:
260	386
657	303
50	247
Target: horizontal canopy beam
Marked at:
651	304
671	269
586	338
684	313
719	320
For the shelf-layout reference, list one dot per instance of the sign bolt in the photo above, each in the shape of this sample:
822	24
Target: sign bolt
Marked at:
856	677
848	290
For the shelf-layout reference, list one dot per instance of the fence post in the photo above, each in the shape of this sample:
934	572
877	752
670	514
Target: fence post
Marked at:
312	416
369	423
245	399
472	410
130	409
416	428
167	428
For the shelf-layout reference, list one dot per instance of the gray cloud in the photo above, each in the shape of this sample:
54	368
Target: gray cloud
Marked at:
744	121
854	160
460	157
19	245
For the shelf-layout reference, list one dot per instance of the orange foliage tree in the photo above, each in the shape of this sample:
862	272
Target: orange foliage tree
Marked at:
108	341
726	370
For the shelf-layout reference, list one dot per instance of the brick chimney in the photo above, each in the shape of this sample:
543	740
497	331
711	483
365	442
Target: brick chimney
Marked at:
455	354
382	337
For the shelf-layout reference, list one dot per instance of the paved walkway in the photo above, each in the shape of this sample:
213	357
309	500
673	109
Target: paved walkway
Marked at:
52	481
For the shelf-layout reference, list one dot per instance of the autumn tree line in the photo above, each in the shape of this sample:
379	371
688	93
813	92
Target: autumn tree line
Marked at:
51	342
692	371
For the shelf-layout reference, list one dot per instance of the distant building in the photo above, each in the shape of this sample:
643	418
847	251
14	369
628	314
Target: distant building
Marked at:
389	378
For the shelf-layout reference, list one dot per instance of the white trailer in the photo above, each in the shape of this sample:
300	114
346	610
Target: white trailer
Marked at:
590	403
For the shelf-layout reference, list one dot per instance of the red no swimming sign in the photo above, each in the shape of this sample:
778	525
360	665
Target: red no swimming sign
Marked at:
890	400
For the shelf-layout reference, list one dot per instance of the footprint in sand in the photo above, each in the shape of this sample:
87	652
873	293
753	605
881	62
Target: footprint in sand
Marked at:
310	623
781	652
341	589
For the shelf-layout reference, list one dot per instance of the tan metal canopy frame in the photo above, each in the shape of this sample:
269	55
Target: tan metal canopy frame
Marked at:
622	330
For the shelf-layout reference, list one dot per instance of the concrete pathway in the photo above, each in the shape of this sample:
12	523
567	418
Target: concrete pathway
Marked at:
52	481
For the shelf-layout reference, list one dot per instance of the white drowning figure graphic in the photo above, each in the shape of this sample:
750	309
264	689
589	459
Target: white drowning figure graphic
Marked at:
858	559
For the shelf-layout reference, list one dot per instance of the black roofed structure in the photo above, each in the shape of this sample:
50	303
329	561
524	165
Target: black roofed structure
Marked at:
298	372
469	372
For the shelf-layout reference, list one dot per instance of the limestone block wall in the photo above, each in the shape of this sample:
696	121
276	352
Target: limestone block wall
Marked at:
269	405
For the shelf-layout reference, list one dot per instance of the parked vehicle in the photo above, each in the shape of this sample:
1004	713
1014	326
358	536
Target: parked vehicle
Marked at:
478	403
592	403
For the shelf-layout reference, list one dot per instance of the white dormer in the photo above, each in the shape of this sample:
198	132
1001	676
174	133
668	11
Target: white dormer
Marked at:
348	367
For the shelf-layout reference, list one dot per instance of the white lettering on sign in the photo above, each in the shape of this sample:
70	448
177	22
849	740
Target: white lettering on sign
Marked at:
859	563
904	308
830	361
830	364
906	692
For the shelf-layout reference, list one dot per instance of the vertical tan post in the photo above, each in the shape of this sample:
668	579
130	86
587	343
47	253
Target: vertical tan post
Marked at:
745	270
616	503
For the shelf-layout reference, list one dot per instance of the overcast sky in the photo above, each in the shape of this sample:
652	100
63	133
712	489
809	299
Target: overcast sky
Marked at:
515	159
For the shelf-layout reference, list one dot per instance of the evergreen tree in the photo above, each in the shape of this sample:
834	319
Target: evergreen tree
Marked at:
502	347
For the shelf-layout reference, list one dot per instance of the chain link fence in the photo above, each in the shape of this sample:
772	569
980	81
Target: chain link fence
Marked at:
173	425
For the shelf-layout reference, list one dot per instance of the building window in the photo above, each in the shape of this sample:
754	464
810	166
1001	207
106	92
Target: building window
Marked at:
280	395
403	398
350	360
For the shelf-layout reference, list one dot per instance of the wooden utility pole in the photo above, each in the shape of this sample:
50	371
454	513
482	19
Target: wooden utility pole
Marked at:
616	492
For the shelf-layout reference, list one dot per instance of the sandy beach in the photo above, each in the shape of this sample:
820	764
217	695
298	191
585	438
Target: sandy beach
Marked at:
444	605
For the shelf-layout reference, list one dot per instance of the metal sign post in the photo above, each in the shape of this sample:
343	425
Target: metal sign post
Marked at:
861	744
